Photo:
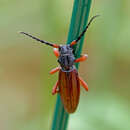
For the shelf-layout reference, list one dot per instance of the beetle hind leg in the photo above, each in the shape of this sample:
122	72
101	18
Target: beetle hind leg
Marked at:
83	83
54	90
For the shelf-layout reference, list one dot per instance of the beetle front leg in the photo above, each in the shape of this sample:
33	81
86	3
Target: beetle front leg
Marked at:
54	70
82	58
83	83
56	52
54	90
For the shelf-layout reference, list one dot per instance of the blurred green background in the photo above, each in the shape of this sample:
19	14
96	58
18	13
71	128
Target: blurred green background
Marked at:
26	102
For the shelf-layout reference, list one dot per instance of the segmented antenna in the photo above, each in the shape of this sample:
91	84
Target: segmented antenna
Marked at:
82	34
42	41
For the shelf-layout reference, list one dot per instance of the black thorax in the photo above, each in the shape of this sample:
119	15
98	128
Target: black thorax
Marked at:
66	58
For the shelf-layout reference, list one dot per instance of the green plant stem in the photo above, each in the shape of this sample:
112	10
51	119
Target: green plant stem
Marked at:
79	20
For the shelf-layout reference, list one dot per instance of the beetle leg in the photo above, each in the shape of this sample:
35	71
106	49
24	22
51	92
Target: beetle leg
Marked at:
54	90
54	70
83	83
82	58
56	52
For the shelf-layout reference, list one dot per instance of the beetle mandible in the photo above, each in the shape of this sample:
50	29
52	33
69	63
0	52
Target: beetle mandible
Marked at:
68	84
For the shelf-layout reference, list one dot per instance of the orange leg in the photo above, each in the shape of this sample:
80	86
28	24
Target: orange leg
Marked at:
82	58
83	83
54	70
56	52
54	90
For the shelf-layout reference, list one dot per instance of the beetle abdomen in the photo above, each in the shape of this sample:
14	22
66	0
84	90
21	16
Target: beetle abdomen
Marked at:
69	89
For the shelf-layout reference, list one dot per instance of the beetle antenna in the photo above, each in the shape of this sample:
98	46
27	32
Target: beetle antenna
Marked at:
82	34
42	41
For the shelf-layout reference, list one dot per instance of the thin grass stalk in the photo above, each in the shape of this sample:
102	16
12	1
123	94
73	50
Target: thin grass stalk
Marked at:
79	20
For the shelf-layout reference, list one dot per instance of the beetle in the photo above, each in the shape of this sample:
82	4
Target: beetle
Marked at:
68	84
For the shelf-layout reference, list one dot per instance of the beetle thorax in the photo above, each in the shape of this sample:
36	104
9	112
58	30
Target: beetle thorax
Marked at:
66	58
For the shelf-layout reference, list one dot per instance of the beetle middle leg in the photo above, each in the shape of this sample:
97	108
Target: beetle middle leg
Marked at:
54	90
54	70
83	83
82	58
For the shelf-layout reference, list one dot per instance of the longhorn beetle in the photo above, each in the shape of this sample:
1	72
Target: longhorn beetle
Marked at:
68	84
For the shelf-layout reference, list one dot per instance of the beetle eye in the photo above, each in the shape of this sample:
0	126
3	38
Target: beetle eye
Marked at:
59	60
59	48
73	51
